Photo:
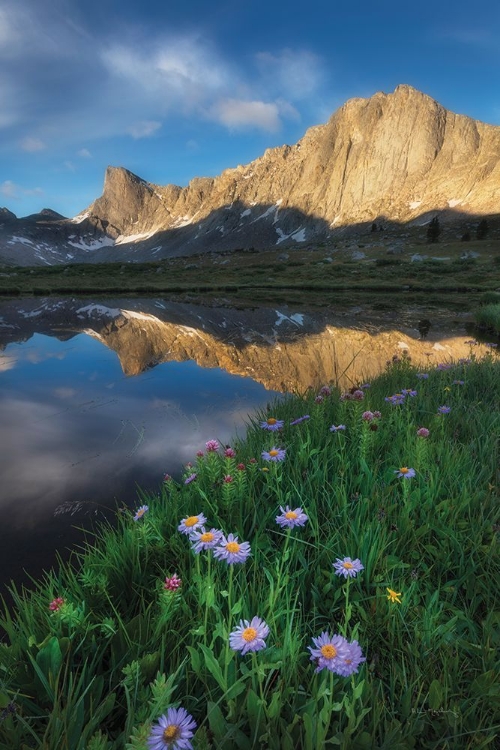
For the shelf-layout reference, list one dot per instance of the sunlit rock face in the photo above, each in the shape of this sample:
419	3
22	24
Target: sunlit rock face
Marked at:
284	350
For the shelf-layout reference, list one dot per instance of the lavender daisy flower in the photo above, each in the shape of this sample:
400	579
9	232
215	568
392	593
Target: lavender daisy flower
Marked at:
337	428
329	652
458	382
300	419
422	375
444	409
405	472
202	540
275	454
173	731
140	512
231	550
291	518
249	636
272	424
350	664
190	478
191	523
347	567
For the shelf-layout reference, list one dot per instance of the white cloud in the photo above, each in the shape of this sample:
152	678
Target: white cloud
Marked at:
236	114
84	153
9	189
144	129
32	144
69	165
294	74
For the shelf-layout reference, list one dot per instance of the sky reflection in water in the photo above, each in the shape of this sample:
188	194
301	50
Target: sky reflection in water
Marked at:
75	429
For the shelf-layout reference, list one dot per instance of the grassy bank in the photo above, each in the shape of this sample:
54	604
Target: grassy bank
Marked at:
98	652
488	318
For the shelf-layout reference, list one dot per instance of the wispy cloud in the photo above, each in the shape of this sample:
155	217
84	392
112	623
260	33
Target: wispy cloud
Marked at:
84	153
31	145
12	191
144	129
236	114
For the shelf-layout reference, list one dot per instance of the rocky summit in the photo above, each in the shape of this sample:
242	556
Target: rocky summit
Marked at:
398	158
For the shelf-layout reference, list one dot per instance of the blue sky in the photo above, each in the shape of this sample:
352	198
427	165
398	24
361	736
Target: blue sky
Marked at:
173	90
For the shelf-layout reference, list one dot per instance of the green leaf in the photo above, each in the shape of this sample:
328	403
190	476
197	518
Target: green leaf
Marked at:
213	667
435	695
216	720
356	693
195	660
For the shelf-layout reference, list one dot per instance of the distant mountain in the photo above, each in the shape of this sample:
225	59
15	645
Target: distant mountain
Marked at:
392	158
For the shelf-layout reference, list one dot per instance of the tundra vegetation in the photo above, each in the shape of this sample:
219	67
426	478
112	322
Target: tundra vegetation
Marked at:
352	600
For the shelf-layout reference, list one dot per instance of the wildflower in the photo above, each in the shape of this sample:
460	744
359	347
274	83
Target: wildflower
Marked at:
458	382
253	461
167	478
405	472
241	467
423	432
319	399
444	409
464	361
172	583
422	375
140	512
231	550
358	395
275	454
337	428
191	523
228	479
377	414
56	604
212	446
347	567
329	651
200	454
326	391
190	478
229	452
272	424
396	399
368	416
203	540
173	731
291	518
300	419
365	386
249	636
373	427
492	346
349	665
393	596
443	366
447	388
472	342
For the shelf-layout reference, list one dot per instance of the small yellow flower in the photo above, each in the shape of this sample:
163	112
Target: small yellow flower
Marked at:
447	388
393	596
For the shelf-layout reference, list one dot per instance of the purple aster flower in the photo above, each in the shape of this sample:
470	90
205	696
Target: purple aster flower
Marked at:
326	391
140	512
291	518
423	432
444	366
458	382
358	395
330	651
350	664
444	409
275	454
202	540
464	361
231	550
365	386
337	428
347	567
249	636
422	375
405	472
172	731
396	399
272	424
191	523
408	392
190	478
492	346
212	446
300	419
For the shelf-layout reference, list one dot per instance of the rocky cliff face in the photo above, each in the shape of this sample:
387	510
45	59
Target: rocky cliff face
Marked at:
398	157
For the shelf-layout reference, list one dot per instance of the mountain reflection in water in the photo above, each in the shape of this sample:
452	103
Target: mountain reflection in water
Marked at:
77	432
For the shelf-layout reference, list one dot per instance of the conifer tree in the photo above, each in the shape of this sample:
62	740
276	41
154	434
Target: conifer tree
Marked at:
433	230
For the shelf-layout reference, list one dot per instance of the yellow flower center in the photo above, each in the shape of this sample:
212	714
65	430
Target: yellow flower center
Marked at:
348	565
273	453
328	651
404	470
171	733
271	420
140	512
249	635
233	547
291	515
207	537
191	521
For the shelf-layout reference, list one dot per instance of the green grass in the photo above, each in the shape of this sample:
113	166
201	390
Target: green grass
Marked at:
488	317
95	674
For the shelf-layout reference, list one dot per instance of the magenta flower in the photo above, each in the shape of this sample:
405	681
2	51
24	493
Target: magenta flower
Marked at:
231	550
240	467
330	652
229	452
172	583
167	478
228	479
326	391
405	472
173	731
203	540
56	604
319	399
200	454
212	446
368	416
249	636
347	567
358	395
423	432
191	523
337	428
349	665
140	512
444	409
291	518
275	454
272	424
377	414
300	419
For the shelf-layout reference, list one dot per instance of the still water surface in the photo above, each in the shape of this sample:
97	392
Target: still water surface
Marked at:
99	397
